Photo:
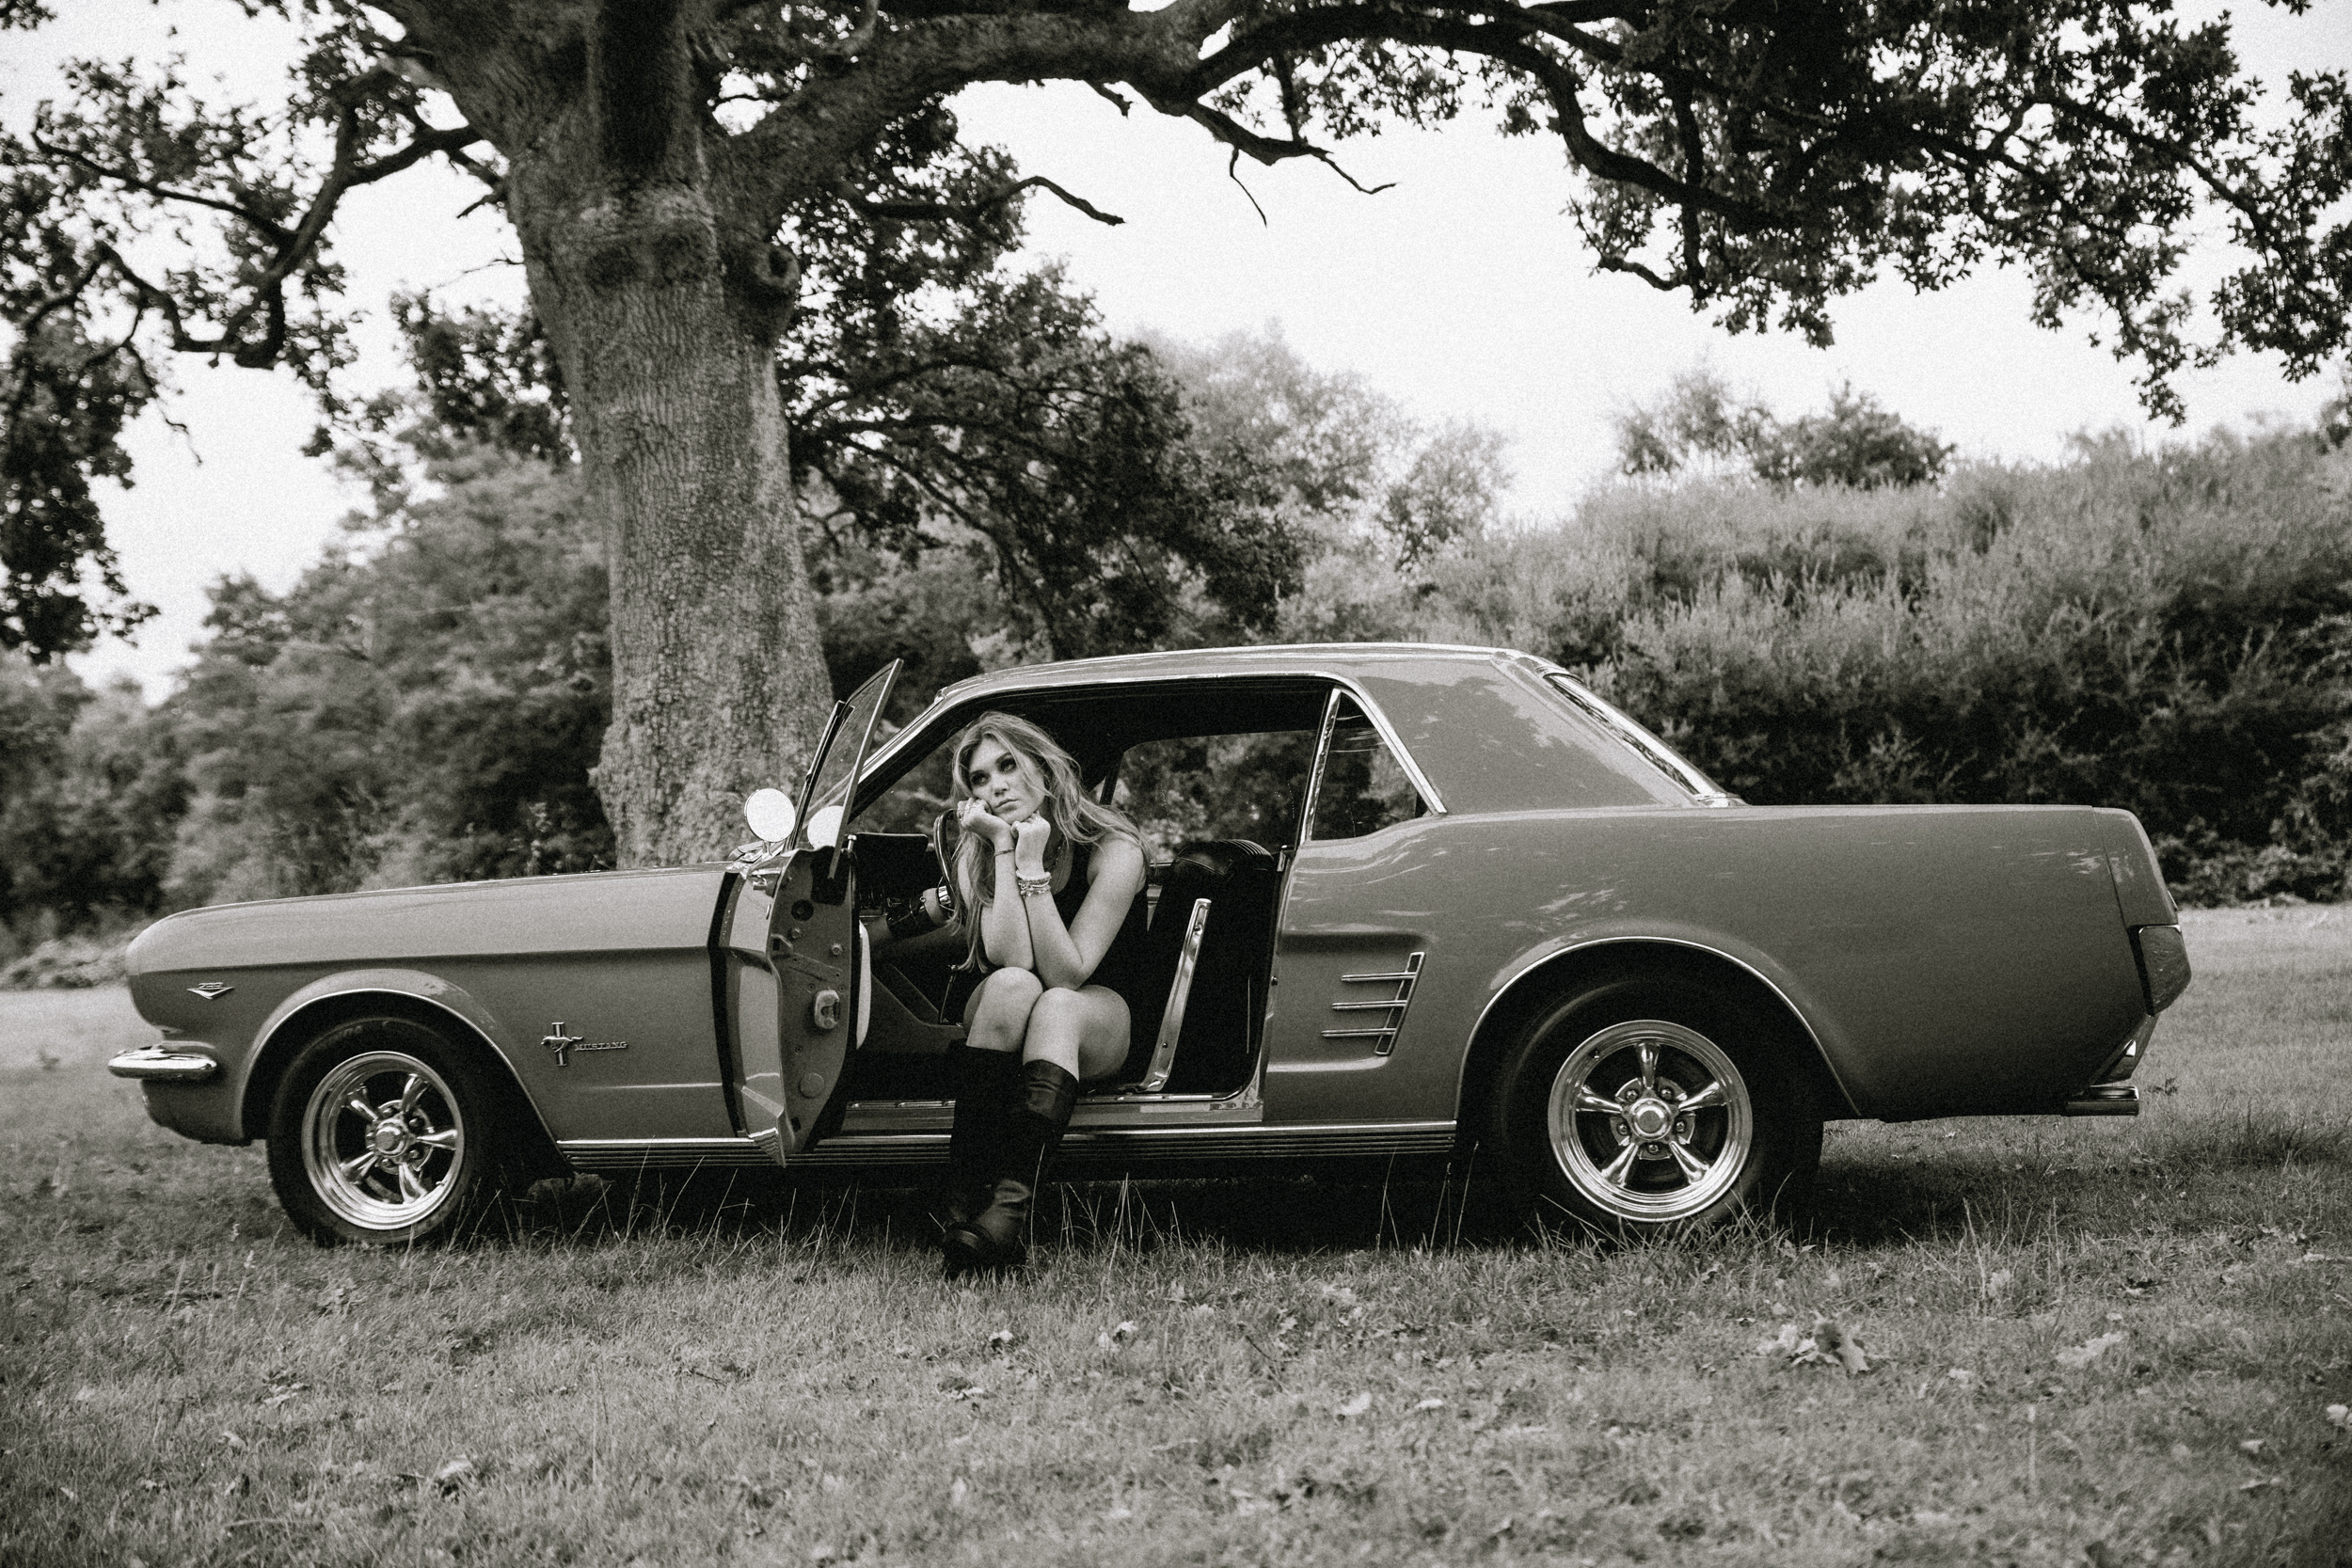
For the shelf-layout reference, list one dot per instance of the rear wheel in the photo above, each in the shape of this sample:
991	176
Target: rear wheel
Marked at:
1634	1108
383	1131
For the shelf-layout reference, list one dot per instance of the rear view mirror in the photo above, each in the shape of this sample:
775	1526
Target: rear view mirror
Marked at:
824	827
771	815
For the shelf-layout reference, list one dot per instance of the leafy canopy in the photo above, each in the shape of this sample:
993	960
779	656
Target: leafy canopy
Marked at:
1765	157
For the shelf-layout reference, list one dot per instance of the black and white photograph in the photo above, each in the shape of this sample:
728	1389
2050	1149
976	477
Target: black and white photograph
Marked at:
1175	783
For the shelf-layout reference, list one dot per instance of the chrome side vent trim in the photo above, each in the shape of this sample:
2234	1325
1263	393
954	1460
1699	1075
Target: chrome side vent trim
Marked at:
1383	1037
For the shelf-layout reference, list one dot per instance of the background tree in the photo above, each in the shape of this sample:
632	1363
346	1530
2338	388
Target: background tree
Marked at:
672	168
1702	428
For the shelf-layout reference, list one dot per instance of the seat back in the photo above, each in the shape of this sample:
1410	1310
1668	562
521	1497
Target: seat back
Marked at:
1213	1046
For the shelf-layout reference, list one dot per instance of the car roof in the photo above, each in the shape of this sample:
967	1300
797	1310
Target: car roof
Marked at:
1286	659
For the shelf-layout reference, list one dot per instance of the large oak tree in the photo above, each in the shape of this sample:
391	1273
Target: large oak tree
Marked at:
666	164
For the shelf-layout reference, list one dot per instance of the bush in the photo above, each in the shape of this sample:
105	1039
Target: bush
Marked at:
2169	632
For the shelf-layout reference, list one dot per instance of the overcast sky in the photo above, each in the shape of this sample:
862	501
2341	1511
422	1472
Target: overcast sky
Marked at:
1462	292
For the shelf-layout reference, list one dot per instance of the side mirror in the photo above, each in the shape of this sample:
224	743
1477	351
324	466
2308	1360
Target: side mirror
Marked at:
824	827
771	815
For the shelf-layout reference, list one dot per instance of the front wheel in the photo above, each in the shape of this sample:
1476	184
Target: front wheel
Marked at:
1637	1108
382	1132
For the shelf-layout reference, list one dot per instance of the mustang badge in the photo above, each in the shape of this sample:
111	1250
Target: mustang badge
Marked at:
210	991
562	1044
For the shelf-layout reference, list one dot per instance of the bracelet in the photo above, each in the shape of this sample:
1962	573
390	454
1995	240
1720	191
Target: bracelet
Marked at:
1030	887
947	900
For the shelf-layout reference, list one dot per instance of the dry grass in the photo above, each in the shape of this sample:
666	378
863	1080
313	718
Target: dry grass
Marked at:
1314	1373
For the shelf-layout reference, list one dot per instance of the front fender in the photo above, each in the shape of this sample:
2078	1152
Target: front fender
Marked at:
284	1030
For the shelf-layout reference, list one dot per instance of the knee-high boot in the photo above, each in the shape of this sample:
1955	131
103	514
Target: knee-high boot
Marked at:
986	1083
998	1236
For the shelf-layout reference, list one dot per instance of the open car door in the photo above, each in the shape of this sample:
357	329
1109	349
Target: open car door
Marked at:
794	961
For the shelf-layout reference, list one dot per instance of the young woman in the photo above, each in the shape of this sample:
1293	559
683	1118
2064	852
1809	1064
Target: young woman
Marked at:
1048	886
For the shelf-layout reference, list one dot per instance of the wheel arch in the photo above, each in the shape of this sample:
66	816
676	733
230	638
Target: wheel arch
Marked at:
1663	959
310	1012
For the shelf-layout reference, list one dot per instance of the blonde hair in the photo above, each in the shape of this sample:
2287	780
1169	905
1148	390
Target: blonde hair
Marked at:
1077	815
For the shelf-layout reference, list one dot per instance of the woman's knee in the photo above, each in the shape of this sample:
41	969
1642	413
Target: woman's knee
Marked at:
1014	988
1001	1007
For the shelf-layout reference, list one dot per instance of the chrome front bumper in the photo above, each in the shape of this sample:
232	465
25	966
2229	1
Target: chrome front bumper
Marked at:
154	1064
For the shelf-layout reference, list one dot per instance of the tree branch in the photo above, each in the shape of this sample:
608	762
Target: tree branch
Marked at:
965	212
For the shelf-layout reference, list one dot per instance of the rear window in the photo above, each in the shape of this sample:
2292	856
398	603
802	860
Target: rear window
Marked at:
1490	742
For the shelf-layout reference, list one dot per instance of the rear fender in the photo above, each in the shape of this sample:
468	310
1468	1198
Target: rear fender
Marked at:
1543	976
299	1019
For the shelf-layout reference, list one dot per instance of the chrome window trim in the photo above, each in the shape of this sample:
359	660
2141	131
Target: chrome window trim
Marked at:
1461	1082
1631	733
876	761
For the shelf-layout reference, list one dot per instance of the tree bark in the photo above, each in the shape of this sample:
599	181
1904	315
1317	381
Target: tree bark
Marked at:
667	346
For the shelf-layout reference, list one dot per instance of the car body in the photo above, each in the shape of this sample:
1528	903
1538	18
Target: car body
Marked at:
1411	902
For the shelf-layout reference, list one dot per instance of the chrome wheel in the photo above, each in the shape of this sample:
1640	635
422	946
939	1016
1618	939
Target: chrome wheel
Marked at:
382	1141
1650	1120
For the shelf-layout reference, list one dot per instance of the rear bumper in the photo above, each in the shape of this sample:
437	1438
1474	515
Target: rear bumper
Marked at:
154	1064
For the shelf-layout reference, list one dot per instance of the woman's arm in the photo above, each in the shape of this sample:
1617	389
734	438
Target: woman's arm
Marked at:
1004	930
1066	955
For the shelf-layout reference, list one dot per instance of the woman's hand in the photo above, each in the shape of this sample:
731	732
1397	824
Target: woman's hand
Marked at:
974	817
1028	844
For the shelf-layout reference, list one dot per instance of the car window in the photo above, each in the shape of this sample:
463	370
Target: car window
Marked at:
1490	743
916	796
1246	787
1363	788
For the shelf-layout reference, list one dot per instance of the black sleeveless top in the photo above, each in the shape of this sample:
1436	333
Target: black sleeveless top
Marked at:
1125	956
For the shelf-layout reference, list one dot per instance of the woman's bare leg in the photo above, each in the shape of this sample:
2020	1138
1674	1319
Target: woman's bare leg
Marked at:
997	1017
1082	1032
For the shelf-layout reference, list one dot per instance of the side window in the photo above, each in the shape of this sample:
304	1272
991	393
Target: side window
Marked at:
1363	788
916	797
1246	787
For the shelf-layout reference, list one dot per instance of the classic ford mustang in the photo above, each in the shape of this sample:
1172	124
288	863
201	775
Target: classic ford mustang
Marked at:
1409	904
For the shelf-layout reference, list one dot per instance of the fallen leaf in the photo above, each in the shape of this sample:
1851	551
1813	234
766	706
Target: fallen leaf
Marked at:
1435	1403
453	1474
1355	1406
2182	1450
1833	1338
2263	1483
1829	1344
233	1439
1962	1376
2340	1416
85	1394
237	1485
1000	1339
958	1489
2250	1446
1997	1283
2078	1356
831	1483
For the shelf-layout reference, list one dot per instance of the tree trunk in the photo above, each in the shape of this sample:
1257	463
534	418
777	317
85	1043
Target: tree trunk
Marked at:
668	356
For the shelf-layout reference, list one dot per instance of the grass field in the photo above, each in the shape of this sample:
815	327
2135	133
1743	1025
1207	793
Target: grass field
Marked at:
2089	1341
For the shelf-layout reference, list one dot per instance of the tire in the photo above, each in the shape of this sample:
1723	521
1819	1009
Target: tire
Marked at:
1637	1108
384	1132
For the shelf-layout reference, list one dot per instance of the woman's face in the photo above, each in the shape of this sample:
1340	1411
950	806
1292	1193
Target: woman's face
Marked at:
1003	782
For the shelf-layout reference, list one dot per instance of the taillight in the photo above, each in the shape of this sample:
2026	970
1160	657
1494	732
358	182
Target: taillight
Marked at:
2163	964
